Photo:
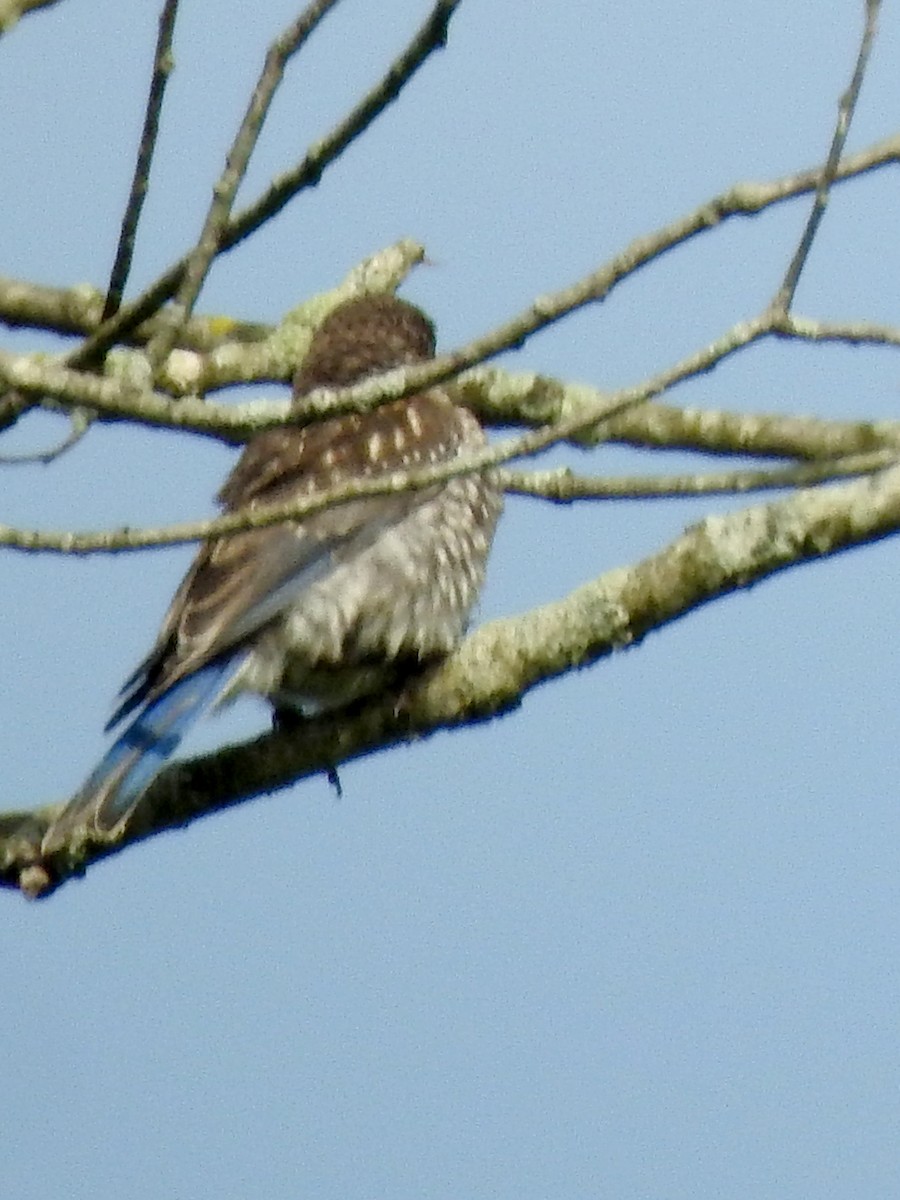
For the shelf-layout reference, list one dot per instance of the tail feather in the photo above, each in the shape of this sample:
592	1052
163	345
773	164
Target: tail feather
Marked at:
114	788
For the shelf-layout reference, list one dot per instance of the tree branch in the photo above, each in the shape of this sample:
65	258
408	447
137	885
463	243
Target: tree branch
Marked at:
77	312
494	668
12	10
198	261
239	362
784	298
431	36
162	69
563	486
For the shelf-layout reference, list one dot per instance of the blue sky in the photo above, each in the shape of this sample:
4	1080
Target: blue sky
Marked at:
638	938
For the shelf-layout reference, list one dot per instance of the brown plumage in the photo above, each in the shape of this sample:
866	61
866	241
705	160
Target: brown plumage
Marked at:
224	597
316	613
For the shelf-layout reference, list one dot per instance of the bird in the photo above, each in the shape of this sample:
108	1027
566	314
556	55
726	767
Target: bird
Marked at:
323	612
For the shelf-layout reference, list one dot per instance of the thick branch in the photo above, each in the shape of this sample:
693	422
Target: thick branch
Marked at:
76	312
502	398
497	665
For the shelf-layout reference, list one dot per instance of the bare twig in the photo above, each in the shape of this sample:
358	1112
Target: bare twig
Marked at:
198	262
162	68
846	108
73	310
80	419
79	424
429	38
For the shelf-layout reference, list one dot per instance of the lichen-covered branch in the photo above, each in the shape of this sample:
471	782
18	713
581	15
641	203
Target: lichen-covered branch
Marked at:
563	486
78	310
594	412
12	10
495	667
504	397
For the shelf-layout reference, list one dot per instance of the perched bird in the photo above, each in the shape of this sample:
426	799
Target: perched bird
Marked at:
317	613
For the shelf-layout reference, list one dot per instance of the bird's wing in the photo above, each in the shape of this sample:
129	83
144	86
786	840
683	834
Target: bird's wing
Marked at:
239	584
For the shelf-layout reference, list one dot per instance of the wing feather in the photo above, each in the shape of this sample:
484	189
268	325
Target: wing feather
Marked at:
239	584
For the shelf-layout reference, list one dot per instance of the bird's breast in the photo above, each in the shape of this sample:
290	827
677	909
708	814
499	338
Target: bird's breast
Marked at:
404	598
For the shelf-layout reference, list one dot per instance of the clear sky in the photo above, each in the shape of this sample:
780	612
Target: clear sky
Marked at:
639	938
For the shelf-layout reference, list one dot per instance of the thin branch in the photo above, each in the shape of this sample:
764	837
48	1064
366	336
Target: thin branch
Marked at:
76	311
111	541
126	396
846	108
162	69
80	419
215	351
563	486
431	36
846	333
595	416
79	424
12	406
743	200
69	311
494	668
198	262
547	310
503	398
116	398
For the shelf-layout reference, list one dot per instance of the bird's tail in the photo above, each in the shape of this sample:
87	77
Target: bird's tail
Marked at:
114	788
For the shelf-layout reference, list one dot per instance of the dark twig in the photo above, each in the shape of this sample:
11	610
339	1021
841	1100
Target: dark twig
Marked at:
162	69
12	405
429	38
846	108
79	424
198	262
494	667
